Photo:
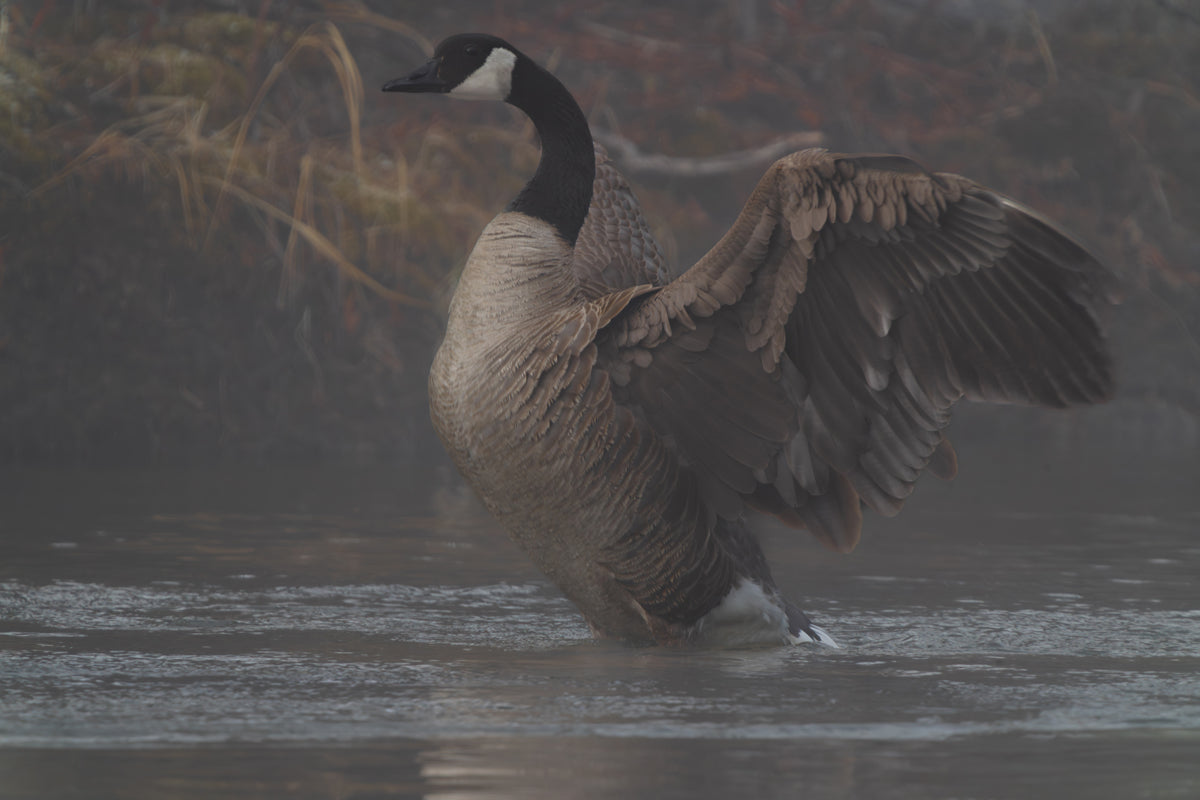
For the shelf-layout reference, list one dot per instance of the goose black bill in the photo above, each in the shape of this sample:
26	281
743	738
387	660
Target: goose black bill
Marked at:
423	79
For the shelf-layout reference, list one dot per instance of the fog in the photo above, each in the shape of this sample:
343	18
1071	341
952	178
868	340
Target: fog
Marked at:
222	242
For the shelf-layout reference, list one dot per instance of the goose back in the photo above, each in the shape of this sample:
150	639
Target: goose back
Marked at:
616	247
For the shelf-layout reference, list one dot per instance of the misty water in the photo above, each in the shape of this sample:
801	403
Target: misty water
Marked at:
1031	629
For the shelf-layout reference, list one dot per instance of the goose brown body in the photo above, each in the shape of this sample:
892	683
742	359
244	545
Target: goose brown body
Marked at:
621	421
530	421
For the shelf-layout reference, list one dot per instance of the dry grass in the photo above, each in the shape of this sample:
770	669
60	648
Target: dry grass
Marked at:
248	143
365	212
211	253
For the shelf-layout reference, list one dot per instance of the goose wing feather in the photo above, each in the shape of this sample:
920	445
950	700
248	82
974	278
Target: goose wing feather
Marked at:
808	363
616	248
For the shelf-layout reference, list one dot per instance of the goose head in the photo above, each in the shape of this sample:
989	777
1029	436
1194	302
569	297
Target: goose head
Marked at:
476	66
470	66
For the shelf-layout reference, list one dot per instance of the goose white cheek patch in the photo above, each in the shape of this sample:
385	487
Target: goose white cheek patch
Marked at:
493	79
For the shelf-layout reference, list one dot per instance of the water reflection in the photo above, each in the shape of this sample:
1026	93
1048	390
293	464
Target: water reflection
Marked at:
502	767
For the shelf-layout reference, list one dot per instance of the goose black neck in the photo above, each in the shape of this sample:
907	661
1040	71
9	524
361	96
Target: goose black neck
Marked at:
561	189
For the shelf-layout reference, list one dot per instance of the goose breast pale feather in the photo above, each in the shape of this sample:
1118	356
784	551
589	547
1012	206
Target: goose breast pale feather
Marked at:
621	421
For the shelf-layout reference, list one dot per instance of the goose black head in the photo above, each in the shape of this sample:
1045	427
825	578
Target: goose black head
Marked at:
475	66
470	66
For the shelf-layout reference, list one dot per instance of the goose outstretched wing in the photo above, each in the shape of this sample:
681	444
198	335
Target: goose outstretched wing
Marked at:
808	363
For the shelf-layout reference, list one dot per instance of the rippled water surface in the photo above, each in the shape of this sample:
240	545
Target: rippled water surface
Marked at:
354	633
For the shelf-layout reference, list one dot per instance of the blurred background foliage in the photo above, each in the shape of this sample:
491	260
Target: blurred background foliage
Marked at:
219	240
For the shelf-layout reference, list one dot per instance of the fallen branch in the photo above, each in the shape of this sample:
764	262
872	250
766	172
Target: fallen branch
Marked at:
632	159
1181	13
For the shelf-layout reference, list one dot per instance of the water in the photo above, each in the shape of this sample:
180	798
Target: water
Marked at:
1028	630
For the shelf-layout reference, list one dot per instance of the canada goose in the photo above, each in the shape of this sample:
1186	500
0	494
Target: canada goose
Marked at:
619	422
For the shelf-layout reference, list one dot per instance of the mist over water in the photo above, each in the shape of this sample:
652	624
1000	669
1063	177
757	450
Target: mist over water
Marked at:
380	625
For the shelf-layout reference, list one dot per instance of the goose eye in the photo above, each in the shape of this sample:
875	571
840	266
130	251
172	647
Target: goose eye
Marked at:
471	49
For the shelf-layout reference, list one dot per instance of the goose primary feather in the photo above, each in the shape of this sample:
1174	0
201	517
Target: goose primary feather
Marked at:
622	421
